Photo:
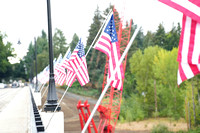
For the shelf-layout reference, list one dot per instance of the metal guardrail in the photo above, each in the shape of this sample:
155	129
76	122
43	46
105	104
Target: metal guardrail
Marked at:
38	121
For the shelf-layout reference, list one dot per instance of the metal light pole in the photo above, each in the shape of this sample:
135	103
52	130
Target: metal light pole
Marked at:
36	85
51	96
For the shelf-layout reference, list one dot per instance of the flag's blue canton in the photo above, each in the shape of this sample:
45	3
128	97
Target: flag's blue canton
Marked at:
81	51
110	29
54	61
47	68
80	48
68	55
60	59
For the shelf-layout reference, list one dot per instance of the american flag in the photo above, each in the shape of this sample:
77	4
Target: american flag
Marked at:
189	44
60	74
55	63
45	74
65	62
71	76
108	44
78	63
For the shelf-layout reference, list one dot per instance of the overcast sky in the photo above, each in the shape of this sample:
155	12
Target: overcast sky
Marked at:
25	19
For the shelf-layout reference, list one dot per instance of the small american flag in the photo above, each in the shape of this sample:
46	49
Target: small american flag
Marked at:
65	62
45	75
78	63
71	76
60	74
108	44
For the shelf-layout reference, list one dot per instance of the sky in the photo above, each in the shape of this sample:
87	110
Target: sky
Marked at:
25	19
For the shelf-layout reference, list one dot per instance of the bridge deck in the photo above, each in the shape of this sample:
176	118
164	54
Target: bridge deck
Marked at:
15	113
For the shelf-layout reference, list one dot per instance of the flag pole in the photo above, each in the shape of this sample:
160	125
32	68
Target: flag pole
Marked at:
98	33
109	81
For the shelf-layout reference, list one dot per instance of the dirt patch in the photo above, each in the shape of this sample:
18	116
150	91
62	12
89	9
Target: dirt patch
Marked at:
148	125
72	123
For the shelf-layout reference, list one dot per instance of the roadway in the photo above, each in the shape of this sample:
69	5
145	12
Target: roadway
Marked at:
15	110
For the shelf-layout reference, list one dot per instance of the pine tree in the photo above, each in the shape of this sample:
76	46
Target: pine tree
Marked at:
59	43
160	39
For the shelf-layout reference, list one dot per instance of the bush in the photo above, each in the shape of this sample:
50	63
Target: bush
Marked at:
131	109
160	129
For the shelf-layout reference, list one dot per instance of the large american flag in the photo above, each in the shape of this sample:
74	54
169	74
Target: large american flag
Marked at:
108	44
78	63
189	44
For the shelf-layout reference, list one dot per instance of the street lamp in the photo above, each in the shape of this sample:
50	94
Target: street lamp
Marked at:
19	42
52	98
36	84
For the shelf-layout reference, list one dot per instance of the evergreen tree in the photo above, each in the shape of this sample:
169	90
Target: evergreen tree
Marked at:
74	41
59	43
94	27
42	53
159	38
172	38
29	60
148	40
95	59
42	43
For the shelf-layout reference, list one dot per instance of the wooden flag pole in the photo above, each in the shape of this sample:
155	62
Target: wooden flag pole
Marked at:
109	81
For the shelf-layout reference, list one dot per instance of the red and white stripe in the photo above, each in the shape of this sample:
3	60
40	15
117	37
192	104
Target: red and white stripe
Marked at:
79	66
60	75
104	44
71	76
188	7
114	58
189	49
189	45
187	71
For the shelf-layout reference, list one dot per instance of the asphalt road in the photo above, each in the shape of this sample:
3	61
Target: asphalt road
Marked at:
6	95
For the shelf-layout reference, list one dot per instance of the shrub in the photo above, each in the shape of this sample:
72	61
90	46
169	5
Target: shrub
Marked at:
160	129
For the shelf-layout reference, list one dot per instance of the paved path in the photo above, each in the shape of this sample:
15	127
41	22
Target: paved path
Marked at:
15	110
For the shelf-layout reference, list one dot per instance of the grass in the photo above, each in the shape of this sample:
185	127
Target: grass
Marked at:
85	92
82	91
